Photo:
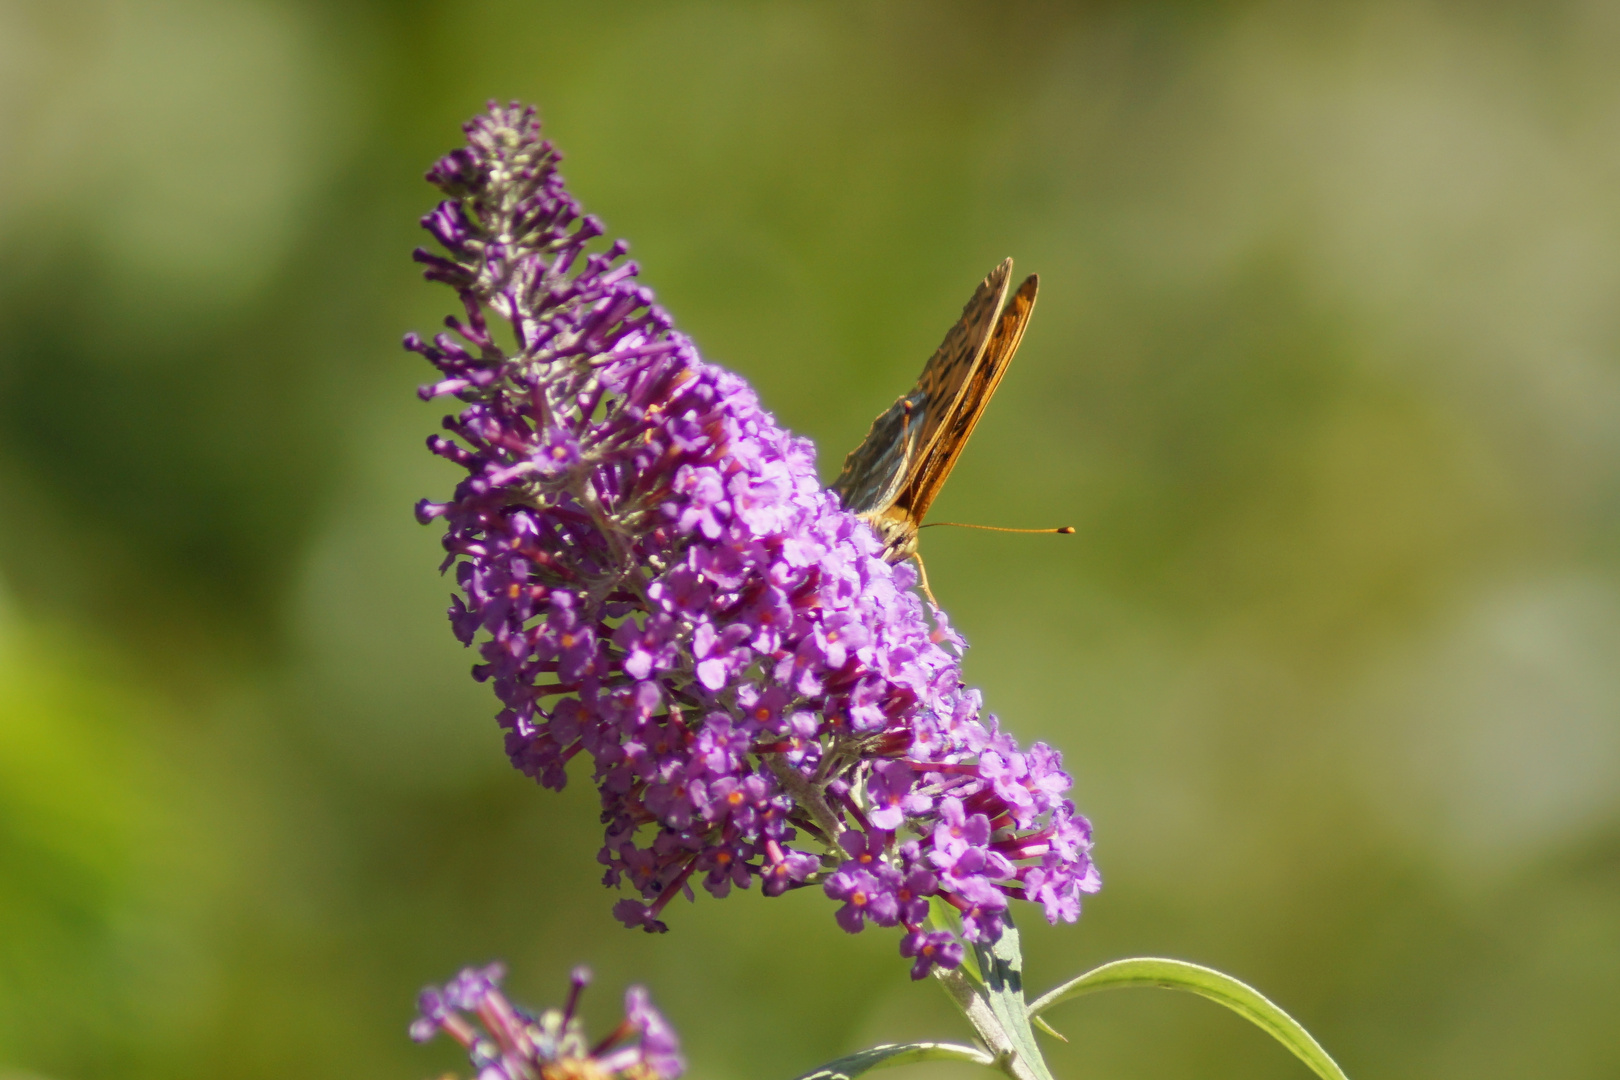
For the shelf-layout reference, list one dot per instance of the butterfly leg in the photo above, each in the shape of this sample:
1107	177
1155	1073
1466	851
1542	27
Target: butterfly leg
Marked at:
922	579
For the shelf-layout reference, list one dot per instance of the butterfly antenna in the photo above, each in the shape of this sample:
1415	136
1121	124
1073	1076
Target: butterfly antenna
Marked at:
1064	530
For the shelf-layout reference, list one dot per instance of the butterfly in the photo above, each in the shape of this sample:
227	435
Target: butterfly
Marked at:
891	479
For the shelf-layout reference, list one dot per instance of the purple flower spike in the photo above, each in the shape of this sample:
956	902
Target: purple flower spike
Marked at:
654	578
510	1043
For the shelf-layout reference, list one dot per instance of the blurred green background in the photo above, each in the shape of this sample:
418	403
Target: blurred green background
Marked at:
1324	371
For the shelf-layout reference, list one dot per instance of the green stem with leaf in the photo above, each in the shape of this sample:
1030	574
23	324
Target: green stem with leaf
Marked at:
989	990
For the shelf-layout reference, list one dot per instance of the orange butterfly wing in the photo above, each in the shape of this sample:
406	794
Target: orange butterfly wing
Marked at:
891	479
887	460
949	372
985	375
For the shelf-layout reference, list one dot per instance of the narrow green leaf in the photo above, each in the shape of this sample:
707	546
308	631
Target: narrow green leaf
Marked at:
1040	1024
882	1057
1002	967
1242	999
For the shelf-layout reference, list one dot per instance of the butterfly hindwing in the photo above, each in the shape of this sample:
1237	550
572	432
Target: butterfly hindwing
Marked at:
876	471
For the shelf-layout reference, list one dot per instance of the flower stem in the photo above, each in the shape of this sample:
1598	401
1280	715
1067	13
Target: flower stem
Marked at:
966	997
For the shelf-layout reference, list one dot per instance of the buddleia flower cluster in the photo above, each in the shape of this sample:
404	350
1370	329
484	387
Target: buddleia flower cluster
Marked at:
655	578
505	1042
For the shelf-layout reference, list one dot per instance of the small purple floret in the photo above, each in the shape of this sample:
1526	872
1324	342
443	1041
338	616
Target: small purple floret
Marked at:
655	578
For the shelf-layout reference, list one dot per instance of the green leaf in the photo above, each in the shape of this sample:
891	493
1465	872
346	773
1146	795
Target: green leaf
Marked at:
1041	1025
882	1057
1002	968
1242	999
988	987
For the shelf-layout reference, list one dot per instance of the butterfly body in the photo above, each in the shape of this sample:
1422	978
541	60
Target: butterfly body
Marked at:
892	477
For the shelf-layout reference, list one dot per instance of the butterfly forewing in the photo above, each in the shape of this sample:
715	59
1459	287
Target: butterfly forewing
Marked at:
892	477
946	376
939	458
877	470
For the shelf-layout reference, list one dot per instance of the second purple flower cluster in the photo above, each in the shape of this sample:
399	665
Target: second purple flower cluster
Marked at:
506	1042
654	576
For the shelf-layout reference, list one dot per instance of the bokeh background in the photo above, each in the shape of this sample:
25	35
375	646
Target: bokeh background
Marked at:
1326	372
